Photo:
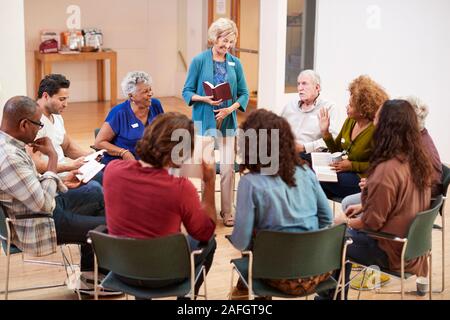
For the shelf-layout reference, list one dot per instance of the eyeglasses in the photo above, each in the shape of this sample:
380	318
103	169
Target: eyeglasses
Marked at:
40	124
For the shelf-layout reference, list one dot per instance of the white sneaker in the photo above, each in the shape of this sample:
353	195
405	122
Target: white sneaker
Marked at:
85	286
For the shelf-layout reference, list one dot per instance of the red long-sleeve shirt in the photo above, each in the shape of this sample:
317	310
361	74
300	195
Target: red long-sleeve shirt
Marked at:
143	202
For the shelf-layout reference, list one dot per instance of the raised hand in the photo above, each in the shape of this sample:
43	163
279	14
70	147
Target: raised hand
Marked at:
324	121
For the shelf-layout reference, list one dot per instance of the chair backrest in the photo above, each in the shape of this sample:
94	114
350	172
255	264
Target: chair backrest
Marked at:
286	255
420	231
162	258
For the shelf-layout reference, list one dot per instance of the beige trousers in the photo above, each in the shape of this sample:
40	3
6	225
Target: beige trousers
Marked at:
225	155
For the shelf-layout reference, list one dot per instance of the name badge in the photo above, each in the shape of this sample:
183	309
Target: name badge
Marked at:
231	63
134	126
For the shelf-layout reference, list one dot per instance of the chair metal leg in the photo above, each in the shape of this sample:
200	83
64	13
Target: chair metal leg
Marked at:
8	262
362	282
232	281
204	284
402	280
443	251
340	283
430	272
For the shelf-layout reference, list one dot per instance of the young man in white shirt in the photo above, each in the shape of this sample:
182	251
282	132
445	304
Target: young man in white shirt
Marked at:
302	114
52	99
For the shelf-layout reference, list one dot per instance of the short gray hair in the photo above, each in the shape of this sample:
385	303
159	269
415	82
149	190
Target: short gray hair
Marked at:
313	75
420	108
222	27
132	79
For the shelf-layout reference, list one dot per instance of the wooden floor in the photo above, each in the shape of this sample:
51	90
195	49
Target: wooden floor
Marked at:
81	119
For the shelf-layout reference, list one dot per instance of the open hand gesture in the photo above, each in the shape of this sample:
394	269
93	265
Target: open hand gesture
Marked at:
324	121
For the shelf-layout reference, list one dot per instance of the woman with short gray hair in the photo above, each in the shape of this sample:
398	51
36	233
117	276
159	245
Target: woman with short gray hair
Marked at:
126	122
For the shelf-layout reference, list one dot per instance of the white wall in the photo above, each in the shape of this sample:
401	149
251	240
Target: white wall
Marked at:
12	53
143	32
272	49
192	30
402	44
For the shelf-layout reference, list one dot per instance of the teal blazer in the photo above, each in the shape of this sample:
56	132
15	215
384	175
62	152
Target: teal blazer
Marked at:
201	70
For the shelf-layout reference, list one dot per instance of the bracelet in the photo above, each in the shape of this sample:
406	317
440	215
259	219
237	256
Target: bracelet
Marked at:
123	151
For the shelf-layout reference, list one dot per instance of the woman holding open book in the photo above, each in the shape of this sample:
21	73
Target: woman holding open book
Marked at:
216	120
355	138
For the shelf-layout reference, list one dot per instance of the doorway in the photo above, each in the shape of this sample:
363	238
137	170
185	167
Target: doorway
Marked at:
246	15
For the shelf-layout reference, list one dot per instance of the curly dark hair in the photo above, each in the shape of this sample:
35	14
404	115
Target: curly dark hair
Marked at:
155	147
288	158
397	134
51	84
367	96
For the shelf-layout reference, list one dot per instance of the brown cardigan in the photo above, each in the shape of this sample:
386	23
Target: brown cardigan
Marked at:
390	203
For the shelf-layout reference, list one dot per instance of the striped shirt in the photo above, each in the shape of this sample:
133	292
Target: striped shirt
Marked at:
24	191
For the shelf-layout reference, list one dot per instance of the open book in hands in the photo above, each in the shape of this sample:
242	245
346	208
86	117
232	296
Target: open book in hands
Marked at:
321	164
91	167
220	92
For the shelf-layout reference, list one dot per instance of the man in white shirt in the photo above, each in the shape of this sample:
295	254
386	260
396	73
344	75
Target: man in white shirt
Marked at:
52	99
302	114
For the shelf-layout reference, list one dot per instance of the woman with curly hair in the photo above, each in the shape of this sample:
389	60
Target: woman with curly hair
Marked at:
143	200
282	197
355	138
398	187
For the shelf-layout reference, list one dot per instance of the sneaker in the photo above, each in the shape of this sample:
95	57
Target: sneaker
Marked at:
86	286
369	281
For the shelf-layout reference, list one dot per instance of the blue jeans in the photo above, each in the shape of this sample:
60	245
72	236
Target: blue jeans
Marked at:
348	183
78	211
99	177
364	250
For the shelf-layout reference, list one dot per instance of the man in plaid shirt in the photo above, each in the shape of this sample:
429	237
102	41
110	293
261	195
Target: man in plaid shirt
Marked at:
24	191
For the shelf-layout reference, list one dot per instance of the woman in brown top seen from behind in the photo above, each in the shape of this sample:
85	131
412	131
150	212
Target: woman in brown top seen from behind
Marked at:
398	187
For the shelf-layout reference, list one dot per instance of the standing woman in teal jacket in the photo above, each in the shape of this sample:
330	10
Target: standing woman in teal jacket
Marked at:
216	65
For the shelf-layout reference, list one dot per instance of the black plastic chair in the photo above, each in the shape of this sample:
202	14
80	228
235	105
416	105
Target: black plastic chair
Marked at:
417	243
164	259
287	255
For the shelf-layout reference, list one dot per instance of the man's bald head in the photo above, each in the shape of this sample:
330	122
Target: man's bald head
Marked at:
16	109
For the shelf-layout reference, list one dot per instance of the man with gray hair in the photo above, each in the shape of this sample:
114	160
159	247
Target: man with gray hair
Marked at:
302	114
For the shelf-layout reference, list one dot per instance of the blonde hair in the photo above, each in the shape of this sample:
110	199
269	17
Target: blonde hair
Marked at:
222	27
